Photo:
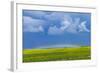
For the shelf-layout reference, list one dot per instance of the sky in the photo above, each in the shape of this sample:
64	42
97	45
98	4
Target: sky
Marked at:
49	28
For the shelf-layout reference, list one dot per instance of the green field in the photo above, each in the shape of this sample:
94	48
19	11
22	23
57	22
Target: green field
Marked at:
56	54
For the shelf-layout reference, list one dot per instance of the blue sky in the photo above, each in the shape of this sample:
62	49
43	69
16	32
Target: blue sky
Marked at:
46	28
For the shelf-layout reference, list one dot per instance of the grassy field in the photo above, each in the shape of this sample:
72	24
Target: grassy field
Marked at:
56	54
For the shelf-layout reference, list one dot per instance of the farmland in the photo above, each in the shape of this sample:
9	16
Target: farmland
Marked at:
57	54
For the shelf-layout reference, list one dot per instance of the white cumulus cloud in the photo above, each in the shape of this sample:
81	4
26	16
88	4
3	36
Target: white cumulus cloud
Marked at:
69	26
55	22
73	26
32	25
55	31
66	22
82	27
35	14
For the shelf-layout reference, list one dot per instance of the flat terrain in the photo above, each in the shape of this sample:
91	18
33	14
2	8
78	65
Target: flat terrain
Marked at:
56	54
